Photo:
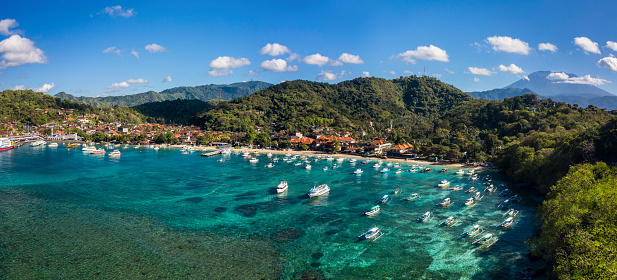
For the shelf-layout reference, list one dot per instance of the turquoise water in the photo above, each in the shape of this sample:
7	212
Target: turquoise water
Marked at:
163	214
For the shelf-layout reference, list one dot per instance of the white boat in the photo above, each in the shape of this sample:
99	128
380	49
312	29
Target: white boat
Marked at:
388	164
446	202
484	239
469	201
37	143
471	190
450	221
474	177
443	184
456	188
414	169
269	165
511	212
329	158
426	217
477	196
88	149
352	160
325	168
376	165
475	230
385	199
460	172
115	153
395	191
246	154
340	159
507	223
98	151
358	171
156	148
281	187
297	164
308	166
52	145
471	172
376	209
319	190
253	160
372	234
412	197
399	171
385	170
269	154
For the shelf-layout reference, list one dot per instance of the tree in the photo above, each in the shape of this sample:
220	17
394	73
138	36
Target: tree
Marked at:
162	138
201	140
262	139
336	145
250	136
304	147
98	137
285	144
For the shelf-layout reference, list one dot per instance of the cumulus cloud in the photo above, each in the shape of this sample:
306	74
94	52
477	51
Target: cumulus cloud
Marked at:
114	11
316	59
480	71
152	48
547	47
222	65
136	54
609	62
587	45
366	74
511	68
449	71
254	73
350	58
566	79
137	81
293	56
45	88
392	72
7	24
17	51
275	49
508	44
22	87
525	77
217	72
327	75
126	84
611	45
335	63
113	50
278	65
425	53
167	79
476	80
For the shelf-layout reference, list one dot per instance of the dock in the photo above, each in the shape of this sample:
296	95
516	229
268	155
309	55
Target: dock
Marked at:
211	153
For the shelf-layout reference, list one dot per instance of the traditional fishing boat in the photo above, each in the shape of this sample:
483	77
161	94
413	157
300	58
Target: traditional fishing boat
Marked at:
319	190
446	202
474	177
490	189
414	169
460	172
385	199
469	202
477	196
385	170
511	212
399	171
269	165
282	187
507	223
515	198
395	191
475	230
505	192
372	234
505	204
358	171
444	170
471	190
471	172
443	183
450	221
456	188
376	165
253	160
411	197
426	169
487	240
352	160
375	210
325	168
426	217
308	166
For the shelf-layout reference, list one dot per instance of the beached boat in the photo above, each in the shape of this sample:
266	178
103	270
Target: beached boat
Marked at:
308	166
97	151
319	190
412	197
269	165
478	196
282	186
469	202
375	210
450	221
358	171
372	234
456	188
486	240
385	199
115	153
446	202
511	212
460	172
395	191
475	230
385	169
443	183
427	217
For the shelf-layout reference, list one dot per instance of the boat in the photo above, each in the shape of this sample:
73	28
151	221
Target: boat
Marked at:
358	171
456	188
507	223
52	145
6	144
414	169
372	234
515	198
297	164
477	196
385	199
470	172
376	209
269	154
253	160
246	154
329	158
376	165
308	166
156	148
443	184
426	169
511	212
450	221
426	217
469	202
505	192
385	169
115	153
352	160
446	202
388	164
474	177
281	187
325	168
220	160
412	197
395	191
487	240
490	189
72	145
319	190
475	230
88	149
269	165
460	172
364	162
444	170
471	190
98	151
505	204
37	143
396	165
340	159
287	154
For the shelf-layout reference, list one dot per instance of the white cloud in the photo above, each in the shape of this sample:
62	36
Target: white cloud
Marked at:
17	51
547	47
7	24
136	54
137	81
437	75
217	72
425	53
525	77
45	88
278	65
611	45
609	62
22	87
275	49
449	71
229	62
327	75
476	80
408	72
511	68
366	74
254	73
350	58
293	56
126	84
316	59
587	45
335	63
480	71
167	79
152	48
508	44
392	72
113	50
118	11
585	80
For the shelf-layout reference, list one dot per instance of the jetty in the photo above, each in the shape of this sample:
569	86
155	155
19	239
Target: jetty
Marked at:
211	153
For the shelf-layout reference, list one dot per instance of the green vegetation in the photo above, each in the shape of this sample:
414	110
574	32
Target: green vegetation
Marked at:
176	111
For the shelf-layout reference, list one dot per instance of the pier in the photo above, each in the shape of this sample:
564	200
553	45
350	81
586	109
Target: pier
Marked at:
211	153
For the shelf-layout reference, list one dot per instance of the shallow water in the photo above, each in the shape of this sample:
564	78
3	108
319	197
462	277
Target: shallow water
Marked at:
68	214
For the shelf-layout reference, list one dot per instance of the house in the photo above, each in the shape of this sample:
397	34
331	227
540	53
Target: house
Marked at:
401	149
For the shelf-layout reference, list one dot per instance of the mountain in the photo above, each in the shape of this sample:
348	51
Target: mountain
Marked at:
298	105
178	111
540	83
500	93
203	93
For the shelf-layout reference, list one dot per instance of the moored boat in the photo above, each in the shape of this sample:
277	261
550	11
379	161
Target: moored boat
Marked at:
469	202
282	186
511	212
319	190
460	172
444	170
98	151
37	143
269	165
385	199
507	223
115	153
73	145
477	196
372	234
443	183
446	202
475	230
395	191
450	221
52	145
471	190
385	170
471	172
6	144
426	217
412	197
375	210
456	188
253	160
426	169
308	166
487	240
399	171
358	171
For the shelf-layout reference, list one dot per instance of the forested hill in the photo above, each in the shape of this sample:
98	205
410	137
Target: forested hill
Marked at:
298	105
203	93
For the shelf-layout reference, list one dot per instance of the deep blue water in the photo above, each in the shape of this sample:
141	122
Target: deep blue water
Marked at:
179	215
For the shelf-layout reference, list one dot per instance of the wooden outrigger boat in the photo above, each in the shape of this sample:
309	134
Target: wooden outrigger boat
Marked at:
507	223
471	190
470	202
395	191
450	221
478	196
475	230
372	234
505	204
511	212
411	197
427	217
443	183
374	211
456	188
487	240
385	199
446	202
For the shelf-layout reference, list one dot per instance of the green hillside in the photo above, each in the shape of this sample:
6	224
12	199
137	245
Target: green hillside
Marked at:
178	111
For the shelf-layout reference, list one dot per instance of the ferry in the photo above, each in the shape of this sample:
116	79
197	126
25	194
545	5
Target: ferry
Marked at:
6	144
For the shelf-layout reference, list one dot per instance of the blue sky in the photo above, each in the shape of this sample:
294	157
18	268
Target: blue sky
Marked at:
95	48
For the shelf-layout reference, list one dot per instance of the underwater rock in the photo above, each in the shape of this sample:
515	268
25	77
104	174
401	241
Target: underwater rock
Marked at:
332	232
311	275
288	234
220	209
246	210
317	255
315	264
195	199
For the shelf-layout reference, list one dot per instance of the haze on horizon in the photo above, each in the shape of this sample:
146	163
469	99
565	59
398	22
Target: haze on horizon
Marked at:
86	48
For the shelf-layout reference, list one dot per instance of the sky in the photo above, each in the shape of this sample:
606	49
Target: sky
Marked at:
110	48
